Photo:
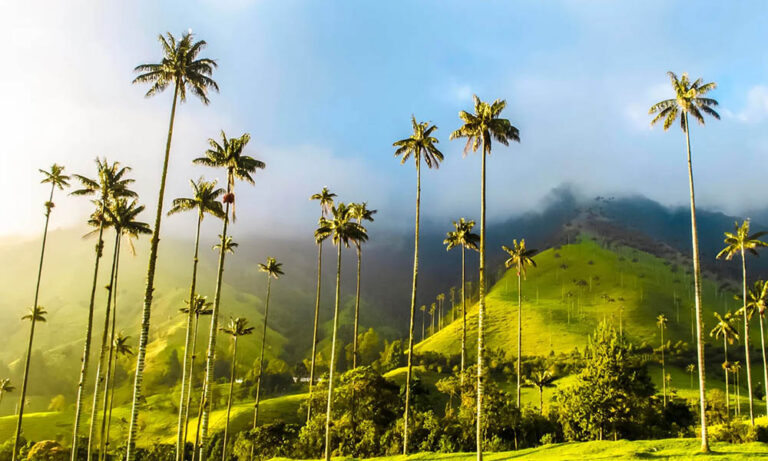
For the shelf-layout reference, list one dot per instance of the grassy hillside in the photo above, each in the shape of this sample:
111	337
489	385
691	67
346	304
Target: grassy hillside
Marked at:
573	288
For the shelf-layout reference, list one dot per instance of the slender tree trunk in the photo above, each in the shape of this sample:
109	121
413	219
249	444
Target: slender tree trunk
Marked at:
541	401
211	354
413	309
189	383
423	319
357	308
130	452
104	435
481	313
727	397
87	346
765	365
314	330
746	336
229	399
463	317
333	356
23	395
261	358
663	370
186	369
102	350
519	330
697	296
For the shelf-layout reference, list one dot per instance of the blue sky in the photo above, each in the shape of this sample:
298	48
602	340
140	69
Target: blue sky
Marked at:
324	88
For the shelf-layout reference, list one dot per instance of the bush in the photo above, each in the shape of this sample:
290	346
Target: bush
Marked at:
48	450
736	431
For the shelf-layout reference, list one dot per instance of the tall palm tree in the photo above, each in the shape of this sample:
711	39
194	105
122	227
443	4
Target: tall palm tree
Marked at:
440	303
691	368
204	200
661	322
5	387
227	155
360	212
462	236
520	257
724	328
273	270
423	310
325	197
432	311
181	67
36	314
121	349
422	145
688	100
57	179
120	215
199	307
452	292
736	370
111	183
757	303
541	379
237	327
342	229
480	129
740	242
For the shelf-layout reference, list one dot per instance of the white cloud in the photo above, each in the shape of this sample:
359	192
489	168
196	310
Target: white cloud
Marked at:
756	108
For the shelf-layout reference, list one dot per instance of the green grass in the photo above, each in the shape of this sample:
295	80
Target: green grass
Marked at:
677	449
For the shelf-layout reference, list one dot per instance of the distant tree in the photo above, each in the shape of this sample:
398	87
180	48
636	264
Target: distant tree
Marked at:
360	212
689	100
58	403
423	310
757	303
691	369
661	322
121	349
541	379
520	258
325	197
432	311
739	242
724	328
422	145
5	387
237	327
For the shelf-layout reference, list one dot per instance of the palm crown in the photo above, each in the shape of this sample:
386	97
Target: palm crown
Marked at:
6	386
421	144
741	240
229	244
200	306
110	184
237	326
326	200
37	314
122	216
272	268
519	256
485	125
756	299
341	228
55	176
203	200
661	321
687	100
121	345
724	328
180	65
462	235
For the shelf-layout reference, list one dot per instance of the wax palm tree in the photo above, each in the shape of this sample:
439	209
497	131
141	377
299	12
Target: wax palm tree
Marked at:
736	370
204	200
273	270
423	310
121	349
691	369
724	328
36	314
441	303
5	387
541	379
520	257
360	212
452	292
111	183
183	68
342	229
757	303
740	242
325	197
463	237
480	129
227	155
236	328
122	216
689	100
432	311
661	322
199	307
422	146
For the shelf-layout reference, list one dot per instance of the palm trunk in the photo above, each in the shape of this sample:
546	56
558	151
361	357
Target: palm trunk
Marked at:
261	358
663	370
746	336
357	308
765	365
104	434
130	452
103	348
229	399
423	319
697	296
481	313
191	377
32	328
333	356
212	336
519	329
463	318
314	331
413	309
541	401
185	374
727	397
87	346
201	407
